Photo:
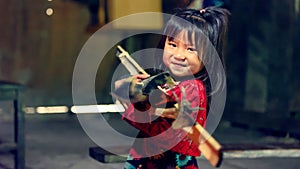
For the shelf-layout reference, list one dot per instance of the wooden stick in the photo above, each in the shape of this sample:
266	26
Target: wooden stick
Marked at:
129	63
208	146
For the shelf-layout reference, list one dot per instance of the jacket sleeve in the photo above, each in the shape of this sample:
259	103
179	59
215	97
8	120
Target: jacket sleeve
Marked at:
152	125
193	91
157	131
146	122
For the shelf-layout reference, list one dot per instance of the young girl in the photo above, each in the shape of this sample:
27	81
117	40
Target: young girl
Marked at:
188	35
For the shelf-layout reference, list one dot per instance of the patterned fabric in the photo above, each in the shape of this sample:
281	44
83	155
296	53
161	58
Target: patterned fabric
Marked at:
167	160
156	132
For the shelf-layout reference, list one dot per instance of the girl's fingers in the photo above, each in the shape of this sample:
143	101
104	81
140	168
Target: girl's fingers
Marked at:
138	78
141	76
169	116
167	112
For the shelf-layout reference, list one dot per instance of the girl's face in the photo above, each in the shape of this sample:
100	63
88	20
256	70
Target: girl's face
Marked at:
181	56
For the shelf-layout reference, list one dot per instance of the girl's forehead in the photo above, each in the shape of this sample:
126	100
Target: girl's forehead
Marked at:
185	37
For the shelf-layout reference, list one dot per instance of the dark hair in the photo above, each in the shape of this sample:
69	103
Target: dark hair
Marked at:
210	23
209	27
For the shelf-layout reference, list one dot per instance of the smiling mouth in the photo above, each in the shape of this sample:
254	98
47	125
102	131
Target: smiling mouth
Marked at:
179	65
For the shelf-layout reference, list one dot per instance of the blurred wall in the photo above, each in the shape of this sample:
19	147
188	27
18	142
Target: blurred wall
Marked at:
40	50
263	64
262	52
262	38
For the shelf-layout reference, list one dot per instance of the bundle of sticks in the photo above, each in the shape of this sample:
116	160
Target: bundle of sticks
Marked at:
209	147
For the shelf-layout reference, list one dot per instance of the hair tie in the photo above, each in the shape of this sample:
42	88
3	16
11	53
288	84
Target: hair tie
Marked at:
202	11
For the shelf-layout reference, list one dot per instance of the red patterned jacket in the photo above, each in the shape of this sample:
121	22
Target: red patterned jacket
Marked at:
156	134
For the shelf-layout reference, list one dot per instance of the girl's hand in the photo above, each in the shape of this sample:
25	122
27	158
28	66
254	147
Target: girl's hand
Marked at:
137	78
135	90
131	88
171	113
141	77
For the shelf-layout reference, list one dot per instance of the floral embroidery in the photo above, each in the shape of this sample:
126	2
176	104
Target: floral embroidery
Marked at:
182	160
129	166
167	160
129	157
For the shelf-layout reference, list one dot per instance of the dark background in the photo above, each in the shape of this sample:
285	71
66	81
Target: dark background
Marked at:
262	57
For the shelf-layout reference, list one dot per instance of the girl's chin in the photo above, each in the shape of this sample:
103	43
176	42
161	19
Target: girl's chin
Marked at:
180	72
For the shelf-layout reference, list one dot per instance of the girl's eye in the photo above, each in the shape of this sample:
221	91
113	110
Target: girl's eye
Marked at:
191	49
172	44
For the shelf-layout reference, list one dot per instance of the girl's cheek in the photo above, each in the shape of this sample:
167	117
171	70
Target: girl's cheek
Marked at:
166	59
166	62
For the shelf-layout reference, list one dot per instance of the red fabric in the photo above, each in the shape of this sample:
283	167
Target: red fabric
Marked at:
157	131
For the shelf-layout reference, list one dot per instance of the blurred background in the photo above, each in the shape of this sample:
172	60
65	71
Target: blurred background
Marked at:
40	41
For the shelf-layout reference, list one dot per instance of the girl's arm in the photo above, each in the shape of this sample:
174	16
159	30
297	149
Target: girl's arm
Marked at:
127	88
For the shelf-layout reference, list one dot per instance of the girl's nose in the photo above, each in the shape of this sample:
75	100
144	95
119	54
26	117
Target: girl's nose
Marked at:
179	56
